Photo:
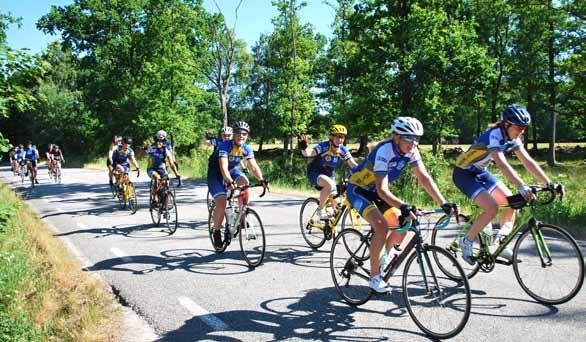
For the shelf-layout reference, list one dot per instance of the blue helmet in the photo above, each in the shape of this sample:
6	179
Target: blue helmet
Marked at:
516	115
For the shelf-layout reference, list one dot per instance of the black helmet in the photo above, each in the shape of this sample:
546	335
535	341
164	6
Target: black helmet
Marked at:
241	126
127	140
516	115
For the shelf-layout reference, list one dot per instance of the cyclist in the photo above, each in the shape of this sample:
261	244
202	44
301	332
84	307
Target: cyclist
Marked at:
13	159
19	155
163	135
211	140
320	171
472	177
158	152
120	156
32	155
56	156
116	140
49	158
222	170
368	189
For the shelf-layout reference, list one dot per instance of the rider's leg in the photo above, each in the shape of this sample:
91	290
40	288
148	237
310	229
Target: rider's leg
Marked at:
379	225
218	214
155	183
395	238
242	180
328	186
489	210
500	194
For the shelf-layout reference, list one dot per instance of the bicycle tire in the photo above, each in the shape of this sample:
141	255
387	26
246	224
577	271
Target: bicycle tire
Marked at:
363	224
250	231
209	201
447	238
22	172
155	215
348	267
423	285
559	277
171	215
132	200
313	236
211	232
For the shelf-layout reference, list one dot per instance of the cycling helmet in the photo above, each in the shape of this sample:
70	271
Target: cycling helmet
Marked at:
227	130
516	115
241	126
338	129
161	135
116	139
406	125
55	147
127	140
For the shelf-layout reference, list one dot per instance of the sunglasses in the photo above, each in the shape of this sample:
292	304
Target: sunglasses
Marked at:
242	133
413	139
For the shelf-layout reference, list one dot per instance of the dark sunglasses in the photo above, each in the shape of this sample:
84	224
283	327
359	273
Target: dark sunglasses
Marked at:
414	139
243	133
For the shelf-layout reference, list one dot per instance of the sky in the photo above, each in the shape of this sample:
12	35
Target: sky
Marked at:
254	18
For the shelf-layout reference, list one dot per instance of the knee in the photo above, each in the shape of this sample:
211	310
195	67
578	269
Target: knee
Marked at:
491	208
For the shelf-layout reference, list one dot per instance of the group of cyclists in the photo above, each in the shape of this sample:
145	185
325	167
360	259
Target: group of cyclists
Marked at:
368	186
23	154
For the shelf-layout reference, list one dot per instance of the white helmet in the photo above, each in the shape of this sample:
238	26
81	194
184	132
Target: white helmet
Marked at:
406	125
161	135
227	130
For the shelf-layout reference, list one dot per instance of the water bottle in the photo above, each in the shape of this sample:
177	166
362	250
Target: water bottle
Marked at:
230	220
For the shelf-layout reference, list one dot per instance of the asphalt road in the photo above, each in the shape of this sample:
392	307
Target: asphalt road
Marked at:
187	292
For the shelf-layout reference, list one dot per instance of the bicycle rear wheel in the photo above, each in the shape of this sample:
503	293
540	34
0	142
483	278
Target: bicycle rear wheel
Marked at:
348	266
225	234
132	200
312	228
439	305
447	238
169	208
252	238
548	264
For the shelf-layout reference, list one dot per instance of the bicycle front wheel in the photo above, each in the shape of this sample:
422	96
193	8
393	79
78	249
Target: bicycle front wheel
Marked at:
447	238
439	305
312	228
169	212
132	200
349	268
548	264
252	238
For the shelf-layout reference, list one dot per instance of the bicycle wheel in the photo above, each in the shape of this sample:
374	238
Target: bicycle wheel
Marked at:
312	228
132	200
352	219
447	238
548	264
222	248
209	201
252	238
439	305
22	172
169	208
348	266
155	214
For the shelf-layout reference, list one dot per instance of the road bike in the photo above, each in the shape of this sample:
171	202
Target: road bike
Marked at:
242	223
164	206
316	231
126	192
30	172
438	304
55	167
22	171
547	261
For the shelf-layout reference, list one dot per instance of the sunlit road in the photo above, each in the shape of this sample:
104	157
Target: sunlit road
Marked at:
187	292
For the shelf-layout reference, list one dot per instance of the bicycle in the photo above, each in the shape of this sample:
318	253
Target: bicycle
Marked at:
22	171
31	174
243	223
126	192
56	170
543	253
316	231
165	206
209	201
446	300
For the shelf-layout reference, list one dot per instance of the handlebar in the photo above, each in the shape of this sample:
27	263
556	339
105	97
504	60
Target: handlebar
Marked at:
244	187
549	194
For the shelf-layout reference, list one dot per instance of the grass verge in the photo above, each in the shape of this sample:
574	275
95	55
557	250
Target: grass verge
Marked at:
43	293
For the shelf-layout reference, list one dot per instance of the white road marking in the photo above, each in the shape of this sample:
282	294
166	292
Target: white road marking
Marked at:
119	253
208	318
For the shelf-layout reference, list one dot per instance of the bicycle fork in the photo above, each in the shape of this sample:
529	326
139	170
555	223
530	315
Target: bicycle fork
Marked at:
541	246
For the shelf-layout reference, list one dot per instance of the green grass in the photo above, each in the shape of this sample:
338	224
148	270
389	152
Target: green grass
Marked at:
44	296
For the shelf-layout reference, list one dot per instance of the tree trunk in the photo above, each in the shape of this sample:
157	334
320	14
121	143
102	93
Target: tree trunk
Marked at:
363	147
551	161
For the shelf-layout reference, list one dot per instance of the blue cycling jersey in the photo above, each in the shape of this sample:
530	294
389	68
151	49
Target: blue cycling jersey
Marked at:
234	153
385	159
120	155
478	156
157	155
327	158
19	154
30	153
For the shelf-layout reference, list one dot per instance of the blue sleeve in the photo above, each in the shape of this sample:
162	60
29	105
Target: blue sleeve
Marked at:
248	153
224	149
345	152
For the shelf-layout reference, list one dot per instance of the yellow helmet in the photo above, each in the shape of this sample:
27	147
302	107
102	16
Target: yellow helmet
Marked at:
338	129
